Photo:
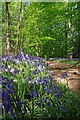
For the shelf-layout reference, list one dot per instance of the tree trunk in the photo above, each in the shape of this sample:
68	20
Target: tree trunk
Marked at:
37	39
7	29
71	37
78	38
65	27
18	29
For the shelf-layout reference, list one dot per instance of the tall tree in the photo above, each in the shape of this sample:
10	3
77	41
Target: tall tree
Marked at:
78	25
7	28
18	27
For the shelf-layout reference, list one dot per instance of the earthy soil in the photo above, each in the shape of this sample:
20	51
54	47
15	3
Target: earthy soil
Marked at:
73	72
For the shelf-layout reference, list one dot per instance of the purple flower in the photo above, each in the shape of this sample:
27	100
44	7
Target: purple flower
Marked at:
28	78
8	70
10	57
64	75
25	110
35	72
40	80
10	86
6	95
11	112
4	58
46	82
34	94
40	68
0	94
1	77
43	99
22	55
6	106
53	88
63	108
16	61
26	56
49	91
0	68
16	71
58	94
19	104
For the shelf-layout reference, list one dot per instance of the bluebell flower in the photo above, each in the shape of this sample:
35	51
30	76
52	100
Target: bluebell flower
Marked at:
26	56
28	78
5	67
25	110
43	99
6	106
6	95
10	86
58	94
15	71
19	104
4	58
1	78
34	93
22	55
16	61
11	112
40	68
48	104
49	90
53	88
63	108
64	75
46	82
8	70
0	94
11	57
35	72
40	80
0	68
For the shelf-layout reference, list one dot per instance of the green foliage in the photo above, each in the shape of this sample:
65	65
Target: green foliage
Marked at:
29	91
59	21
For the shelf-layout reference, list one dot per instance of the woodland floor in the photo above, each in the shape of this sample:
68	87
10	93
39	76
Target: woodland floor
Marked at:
73	79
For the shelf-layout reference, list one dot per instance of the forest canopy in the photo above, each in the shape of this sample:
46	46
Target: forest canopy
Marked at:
45	29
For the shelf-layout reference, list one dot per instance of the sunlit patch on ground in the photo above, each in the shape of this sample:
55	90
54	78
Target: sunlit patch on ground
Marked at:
73	79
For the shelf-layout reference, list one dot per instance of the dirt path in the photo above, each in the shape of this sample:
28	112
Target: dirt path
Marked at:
59	69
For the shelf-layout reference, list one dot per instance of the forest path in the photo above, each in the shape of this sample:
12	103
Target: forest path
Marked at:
73	72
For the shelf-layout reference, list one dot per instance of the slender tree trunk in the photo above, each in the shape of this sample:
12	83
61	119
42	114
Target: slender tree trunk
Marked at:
78	25
18	28
37	39
65	27
71	36
7	28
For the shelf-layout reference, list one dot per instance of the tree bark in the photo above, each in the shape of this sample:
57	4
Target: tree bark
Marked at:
65	27
71	27
37	39
18	29
7	28
78	25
